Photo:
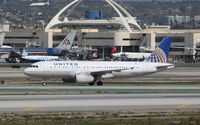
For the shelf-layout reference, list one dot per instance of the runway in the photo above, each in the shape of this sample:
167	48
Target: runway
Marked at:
63	89
108	102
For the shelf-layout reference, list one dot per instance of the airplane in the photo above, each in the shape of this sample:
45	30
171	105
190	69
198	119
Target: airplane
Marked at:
142	55
82	53
144	49
36	58
92	72
65	45
187	48
40	4
2	36
132	55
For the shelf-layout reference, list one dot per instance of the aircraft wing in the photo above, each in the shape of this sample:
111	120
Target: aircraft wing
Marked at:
101	72
164	67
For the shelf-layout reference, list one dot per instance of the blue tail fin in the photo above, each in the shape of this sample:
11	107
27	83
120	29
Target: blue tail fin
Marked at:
160	55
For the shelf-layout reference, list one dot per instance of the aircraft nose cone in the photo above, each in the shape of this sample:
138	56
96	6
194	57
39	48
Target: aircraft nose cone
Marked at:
27	71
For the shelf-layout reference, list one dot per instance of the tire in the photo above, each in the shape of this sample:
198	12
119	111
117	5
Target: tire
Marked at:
91	84
99	83
44	83
2	82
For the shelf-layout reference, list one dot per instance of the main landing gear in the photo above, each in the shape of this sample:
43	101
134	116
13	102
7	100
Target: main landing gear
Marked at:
98	82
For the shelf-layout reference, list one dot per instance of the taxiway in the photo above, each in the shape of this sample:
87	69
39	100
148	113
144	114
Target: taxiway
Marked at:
108	102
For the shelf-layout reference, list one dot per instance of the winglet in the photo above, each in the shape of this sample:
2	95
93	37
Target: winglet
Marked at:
160	55
67	42
48	2
2	35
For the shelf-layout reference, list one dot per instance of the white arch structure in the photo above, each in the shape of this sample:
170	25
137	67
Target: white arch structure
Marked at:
123	21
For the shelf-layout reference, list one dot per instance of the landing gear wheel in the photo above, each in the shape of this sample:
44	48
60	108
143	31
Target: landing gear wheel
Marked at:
99	83
91	84
44	83
2	82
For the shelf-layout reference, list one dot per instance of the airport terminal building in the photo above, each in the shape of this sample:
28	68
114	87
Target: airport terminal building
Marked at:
122	32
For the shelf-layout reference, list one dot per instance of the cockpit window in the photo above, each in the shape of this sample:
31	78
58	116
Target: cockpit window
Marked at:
34	66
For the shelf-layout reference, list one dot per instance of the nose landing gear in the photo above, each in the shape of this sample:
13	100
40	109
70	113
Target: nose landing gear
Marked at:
2	82
44	83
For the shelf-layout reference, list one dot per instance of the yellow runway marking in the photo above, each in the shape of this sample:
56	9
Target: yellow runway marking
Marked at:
31	109
182	106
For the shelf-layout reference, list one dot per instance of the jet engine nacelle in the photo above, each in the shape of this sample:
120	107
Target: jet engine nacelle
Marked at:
82	78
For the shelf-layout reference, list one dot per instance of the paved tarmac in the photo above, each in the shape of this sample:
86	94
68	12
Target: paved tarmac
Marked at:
11	73
158	97
108	102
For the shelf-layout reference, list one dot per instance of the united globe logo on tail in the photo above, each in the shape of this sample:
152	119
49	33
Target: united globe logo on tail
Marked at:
160	55
157	56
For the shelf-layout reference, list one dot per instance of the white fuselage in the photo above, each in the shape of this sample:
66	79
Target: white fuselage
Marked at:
40	58
4	46
39	4
107	69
